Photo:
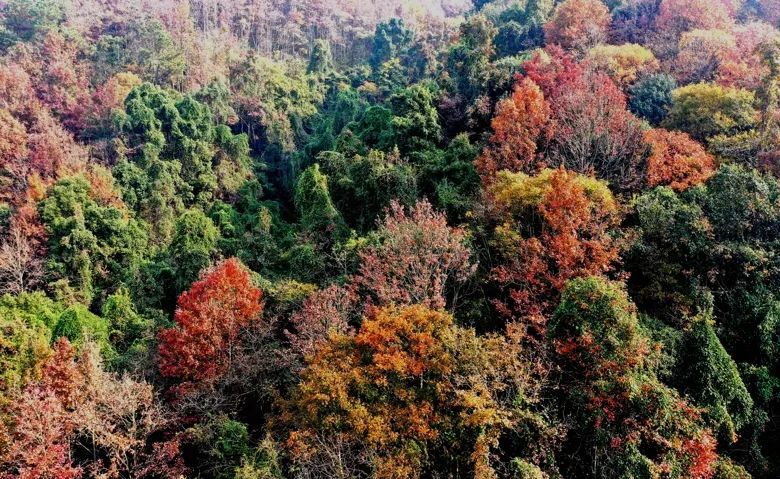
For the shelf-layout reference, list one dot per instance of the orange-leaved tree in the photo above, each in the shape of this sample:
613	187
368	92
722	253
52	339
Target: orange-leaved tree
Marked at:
578	25
409	394
521	123
548	229
676	160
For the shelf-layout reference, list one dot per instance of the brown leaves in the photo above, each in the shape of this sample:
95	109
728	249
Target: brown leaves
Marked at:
79	404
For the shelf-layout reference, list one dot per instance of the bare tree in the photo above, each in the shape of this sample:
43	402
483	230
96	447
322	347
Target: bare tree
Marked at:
20	267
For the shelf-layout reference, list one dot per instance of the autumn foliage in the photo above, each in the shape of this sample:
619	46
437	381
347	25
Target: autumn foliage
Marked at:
605	360
450	239
676	160
594	133
377	401
76	399
578	24
549	228
209	317
420	259
522	122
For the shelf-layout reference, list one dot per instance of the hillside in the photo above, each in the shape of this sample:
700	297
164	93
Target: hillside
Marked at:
287	239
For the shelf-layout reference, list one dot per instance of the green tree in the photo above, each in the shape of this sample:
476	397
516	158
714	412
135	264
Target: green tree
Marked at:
25	333
81	326
363	186
321	59
193	246
651	97
129	332
710	377
468	62
26	20
93	244
312	200
448	177
716	241
183	158
415	121
391	39
705	110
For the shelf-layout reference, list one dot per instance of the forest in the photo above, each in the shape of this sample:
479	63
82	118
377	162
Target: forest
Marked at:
352	239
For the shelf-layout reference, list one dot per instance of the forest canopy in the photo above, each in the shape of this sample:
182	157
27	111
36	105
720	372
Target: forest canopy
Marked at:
451	239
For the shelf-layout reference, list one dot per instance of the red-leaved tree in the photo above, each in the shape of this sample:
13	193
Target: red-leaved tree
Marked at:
324	312
522	121
208	318
594	131
549	229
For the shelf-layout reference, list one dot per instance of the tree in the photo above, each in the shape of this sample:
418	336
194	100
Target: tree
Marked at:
419	259
742	66
711	241
700	55
321	59
21	268
675	160
678	16
179	156
25	335
577	25
633	22
364	185
149	49
521	29
272	103
93	242
627	422
711	379
704	110
129	333
651	97
193	246
209	317
312	200
79	413
324	313
80	326
624	64
391	39
594	132
546	230
449	178
468	64
381	403
40	447
24	21
521	124
415	121
115	419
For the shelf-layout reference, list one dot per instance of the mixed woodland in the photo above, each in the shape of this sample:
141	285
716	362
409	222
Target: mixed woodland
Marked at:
290	239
